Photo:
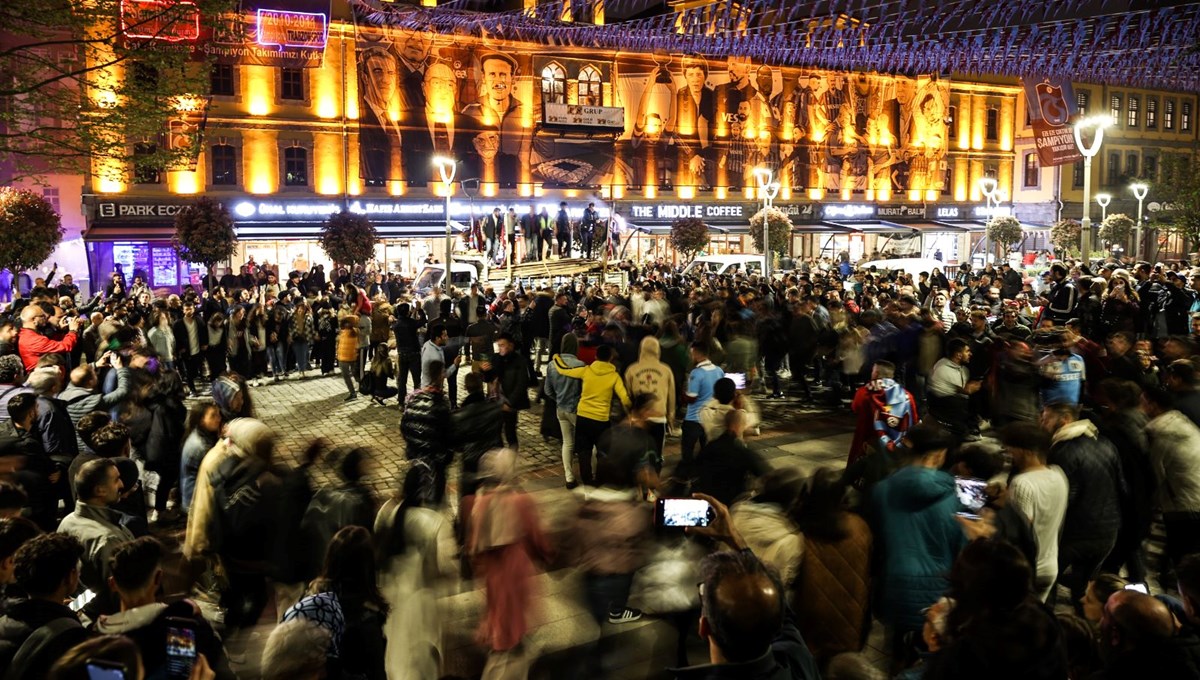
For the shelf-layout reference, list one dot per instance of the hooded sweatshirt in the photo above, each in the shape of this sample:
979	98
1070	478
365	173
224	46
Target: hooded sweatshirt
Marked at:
244	437
600	382
649	375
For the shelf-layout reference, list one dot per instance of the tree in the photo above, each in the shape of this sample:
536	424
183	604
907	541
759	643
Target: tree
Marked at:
1116	228
1005	232
689	236
348	238
31	230
204	234
779	225
1179	192
1065	234
75	88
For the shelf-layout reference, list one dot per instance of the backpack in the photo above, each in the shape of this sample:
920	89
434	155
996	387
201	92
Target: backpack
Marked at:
238	495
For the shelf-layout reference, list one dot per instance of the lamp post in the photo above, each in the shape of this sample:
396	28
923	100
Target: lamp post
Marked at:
446	167
1097	124
767	190
989	187
1103	200
1140	189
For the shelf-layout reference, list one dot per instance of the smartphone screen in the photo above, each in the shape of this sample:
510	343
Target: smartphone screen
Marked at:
972	494
684	512
81	600
1139	587
181	648
104	670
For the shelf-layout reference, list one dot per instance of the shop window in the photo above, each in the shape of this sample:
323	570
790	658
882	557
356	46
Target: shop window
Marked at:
1151	113
1082	99
295	166
1031	169
1114	106
993	124
1168	114
220	80
1150	168
1134	111
291	82
223	160
145	170
1131	165
554	84
1185	117
591	89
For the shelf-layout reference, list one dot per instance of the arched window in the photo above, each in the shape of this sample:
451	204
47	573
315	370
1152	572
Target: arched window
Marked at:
554	84
591	90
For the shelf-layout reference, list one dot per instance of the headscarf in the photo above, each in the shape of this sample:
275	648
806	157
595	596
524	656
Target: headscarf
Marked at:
324	610
224	389
251	436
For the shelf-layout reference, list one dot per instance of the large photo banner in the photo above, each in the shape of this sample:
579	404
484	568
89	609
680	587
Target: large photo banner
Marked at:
506	114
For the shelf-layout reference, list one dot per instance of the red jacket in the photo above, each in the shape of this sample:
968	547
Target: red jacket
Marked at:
33	346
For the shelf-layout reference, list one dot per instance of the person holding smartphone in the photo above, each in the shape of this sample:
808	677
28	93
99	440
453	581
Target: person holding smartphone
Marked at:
744	616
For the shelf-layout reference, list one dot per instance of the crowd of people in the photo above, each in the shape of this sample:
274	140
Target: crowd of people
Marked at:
1071	396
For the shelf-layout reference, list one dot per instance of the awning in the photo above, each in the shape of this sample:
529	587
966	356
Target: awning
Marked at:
821	228
129	232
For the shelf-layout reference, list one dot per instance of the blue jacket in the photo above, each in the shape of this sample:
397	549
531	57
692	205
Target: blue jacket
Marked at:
914	525
563	390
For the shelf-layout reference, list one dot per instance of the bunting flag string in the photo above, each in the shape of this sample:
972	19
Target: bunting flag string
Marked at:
1118	44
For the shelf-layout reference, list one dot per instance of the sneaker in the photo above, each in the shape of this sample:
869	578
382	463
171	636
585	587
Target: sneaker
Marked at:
572	484
626	615
350	397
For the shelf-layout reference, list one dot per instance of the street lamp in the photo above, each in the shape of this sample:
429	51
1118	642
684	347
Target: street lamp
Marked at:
1103	200
989	187
1096	124
767	190
1139	192
446	167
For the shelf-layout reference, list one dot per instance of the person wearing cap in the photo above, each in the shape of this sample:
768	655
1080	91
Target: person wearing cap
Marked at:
498	109
913	520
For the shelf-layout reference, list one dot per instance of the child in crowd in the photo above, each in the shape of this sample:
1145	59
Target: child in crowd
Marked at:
347	351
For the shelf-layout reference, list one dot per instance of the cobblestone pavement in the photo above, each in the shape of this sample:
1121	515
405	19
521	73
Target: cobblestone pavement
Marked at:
303	410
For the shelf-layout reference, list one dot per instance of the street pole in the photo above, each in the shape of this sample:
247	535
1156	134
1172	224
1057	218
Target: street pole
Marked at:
1098	124
1103	200
988	186
764	177
446	167
1139	192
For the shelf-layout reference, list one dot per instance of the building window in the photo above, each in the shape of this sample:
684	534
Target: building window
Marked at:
948	179
1077	175
1082	99
145	171
53	198
990	171
1150	168
1114	168
1151	113
1131	165
145	76
1134	105
591	90
291	83
223	160
1185	117
951	113
993	125
1115	106
1168	114
554	84
295	166
1031	169
220	80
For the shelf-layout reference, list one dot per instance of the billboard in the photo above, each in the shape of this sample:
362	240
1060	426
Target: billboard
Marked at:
517	117
284	33
1051	103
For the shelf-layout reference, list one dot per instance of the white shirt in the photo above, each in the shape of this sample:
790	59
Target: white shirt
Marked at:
1042	496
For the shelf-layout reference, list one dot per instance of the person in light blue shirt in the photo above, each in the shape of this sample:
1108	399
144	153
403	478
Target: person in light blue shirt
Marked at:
699	392
1063	374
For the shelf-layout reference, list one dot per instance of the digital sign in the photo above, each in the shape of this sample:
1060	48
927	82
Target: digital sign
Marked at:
165	20
279	28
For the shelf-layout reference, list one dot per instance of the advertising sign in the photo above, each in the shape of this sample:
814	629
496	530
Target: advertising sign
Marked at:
284	33
164	267
1051	110
160	20
573	115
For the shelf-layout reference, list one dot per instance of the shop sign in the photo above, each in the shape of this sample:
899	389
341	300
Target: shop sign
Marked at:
160	20
571	115
674	211
116	211
859	211
998	211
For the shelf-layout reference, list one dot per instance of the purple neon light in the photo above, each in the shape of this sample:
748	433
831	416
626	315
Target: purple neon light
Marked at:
277	13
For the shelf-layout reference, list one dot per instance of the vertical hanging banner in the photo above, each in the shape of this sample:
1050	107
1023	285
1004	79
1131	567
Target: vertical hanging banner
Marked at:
1051	104
287	33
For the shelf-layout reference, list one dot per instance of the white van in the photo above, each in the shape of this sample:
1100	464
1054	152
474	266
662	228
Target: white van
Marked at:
461	277
725	264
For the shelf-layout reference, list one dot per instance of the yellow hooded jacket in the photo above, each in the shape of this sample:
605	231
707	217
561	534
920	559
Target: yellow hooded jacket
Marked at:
600	381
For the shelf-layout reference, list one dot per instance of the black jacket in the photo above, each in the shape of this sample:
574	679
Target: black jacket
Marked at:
722	468
425	425
25	617
406	335
475	428
513	373
1096	486
787	658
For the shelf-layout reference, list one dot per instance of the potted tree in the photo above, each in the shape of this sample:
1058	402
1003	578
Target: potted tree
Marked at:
204	234
31	229
689	236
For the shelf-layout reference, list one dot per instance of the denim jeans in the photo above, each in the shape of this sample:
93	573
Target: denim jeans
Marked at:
566	421
606	593
301	349
277	354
